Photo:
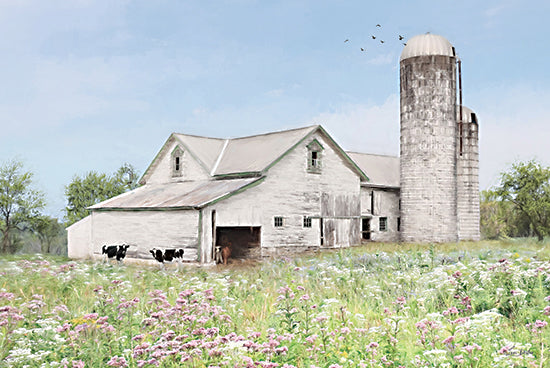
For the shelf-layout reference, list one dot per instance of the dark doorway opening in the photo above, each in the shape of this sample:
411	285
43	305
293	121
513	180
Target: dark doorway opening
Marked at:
244	240
365	228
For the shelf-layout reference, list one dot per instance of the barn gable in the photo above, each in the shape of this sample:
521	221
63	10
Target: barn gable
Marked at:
217	158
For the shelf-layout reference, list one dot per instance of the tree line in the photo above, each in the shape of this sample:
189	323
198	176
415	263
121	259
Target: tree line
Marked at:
519	206
21	206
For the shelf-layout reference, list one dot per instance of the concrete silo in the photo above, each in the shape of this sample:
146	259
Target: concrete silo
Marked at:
468	175
428	169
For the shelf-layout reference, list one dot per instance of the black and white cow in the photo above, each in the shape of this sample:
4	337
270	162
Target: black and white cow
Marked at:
114	251
168	255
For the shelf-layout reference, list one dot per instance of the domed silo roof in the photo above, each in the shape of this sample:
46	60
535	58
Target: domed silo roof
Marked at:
466	114
427	44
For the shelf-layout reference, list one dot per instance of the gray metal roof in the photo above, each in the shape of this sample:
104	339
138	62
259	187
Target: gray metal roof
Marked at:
381	170
256	153
175	195
427	44
247	156
206	149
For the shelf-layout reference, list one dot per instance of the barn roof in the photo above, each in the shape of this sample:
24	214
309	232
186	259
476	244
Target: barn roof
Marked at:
246	156
383	171
183	195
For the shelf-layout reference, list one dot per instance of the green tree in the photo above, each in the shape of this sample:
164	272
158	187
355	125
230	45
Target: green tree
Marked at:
19	204
49	230
527	186
94	187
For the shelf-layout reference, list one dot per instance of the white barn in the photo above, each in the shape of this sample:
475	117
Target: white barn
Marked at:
268	194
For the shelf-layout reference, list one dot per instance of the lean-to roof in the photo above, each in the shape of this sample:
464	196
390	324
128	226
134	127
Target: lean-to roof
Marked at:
183	195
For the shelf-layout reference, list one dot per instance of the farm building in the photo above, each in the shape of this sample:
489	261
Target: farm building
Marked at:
268	194
294	190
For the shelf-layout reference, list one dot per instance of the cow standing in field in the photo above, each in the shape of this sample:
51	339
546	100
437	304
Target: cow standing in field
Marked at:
114	251
168	255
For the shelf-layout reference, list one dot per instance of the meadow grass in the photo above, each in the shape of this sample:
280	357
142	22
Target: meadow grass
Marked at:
483	304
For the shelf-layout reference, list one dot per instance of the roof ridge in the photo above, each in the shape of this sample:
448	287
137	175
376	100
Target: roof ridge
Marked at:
198	136
276	132
220	156
372	154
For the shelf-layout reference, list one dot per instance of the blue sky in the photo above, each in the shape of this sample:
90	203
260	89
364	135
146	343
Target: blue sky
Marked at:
89	85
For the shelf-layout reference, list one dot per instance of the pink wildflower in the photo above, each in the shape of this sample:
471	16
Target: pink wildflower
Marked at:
117	362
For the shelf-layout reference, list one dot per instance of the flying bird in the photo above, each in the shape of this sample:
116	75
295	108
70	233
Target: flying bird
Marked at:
404	44
346	40
378	25
381	41
373	37
401	37
362	49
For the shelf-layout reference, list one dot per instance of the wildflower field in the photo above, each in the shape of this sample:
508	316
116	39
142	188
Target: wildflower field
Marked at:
459	305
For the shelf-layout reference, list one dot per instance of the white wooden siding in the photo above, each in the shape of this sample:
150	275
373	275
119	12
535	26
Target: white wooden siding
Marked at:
79	236
144	230
386	204
291	192
162	172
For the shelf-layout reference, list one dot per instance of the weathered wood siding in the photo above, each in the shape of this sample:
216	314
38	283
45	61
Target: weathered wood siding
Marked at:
162	171
386	204
79	238
144	230
291	192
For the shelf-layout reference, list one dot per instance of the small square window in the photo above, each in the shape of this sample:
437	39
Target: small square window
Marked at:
307	221
383	224
278	221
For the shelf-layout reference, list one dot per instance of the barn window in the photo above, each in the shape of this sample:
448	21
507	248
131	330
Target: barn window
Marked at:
307	221
399	224
314	156
278	221
383	224
177	162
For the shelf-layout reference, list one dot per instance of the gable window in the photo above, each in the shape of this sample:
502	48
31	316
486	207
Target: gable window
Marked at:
307	221
314	156
177	162
383	224
278	221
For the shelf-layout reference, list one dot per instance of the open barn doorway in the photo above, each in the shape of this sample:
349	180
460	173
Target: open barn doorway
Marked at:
244	240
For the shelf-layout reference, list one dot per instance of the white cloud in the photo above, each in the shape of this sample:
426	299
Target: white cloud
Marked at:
514	125
364	128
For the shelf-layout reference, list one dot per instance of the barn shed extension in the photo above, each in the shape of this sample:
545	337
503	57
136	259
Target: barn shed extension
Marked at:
264	195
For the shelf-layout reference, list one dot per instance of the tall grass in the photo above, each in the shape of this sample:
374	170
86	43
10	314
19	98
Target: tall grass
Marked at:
381	305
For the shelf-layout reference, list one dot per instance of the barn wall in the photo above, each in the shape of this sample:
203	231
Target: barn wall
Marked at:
386	205
292	192
79	238
162	172
143	230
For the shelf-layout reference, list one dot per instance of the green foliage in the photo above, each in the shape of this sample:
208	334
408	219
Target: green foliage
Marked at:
19	204
95	187
49	231
527	187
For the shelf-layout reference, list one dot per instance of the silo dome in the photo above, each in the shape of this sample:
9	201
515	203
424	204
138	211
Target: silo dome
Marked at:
427	44
466	114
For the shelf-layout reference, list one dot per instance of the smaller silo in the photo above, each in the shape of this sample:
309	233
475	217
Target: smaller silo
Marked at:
468	175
